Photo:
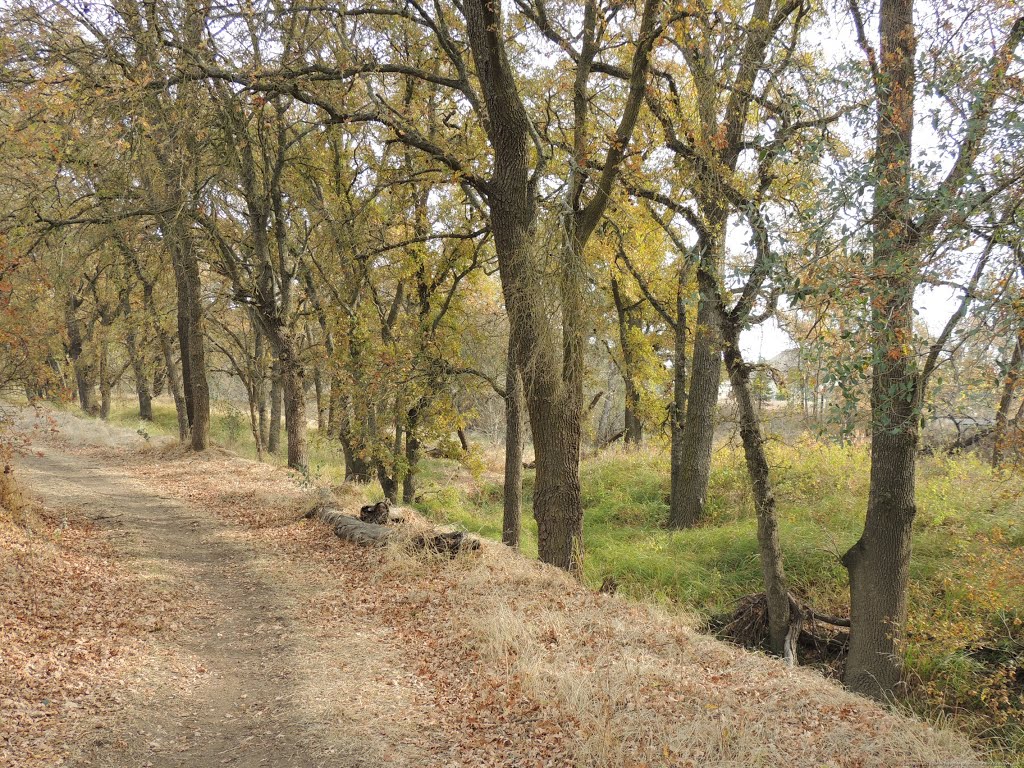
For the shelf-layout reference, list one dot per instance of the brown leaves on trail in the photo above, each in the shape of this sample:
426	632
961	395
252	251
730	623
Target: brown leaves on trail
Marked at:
71	621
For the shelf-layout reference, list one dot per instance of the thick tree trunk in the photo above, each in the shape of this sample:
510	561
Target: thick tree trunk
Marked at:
549	351
701	404
764	498
511	522
879	563
85	377
294	395
557	500
412	458
879	567
388	483
86	388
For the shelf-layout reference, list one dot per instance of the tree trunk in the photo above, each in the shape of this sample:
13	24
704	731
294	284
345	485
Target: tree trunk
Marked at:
412	458
294	395
557	500
511	522
628	326
105	382
322	400
158	380
334	414
141	378
764	497
1006	400
262	405
412	452
191	336
879	563
388	483
174	382
86	390
702	403
276	407
677	412
84	372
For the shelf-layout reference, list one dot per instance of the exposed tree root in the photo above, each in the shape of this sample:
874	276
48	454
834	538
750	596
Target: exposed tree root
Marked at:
815	638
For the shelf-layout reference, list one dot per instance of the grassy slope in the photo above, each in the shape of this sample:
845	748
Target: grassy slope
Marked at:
966	638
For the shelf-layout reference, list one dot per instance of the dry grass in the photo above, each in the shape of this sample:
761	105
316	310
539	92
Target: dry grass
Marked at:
642	688
493	659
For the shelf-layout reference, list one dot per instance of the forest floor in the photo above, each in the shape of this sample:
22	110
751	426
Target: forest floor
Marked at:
162	608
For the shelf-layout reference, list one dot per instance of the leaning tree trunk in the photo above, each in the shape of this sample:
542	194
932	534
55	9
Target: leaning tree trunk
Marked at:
174	383
764	497
511	521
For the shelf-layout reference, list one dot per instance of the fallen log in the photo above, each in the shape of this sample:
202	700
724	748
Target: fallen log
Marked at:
350	528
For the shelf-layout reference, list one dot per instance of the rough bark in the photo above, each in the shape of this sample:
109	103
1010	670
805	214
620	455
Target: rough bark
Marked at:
192	337
294	395
276	409
85	375
106	383
702	402
879	563
677	413
413	450
549	354
511	521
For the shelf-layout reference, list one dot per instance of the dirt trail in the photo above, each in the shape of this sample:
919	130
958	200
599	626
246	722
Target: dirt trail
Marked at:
246	642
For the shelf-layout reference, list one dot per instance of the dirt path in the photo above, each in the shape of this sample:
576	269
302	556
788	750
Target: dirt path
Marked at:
241	708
